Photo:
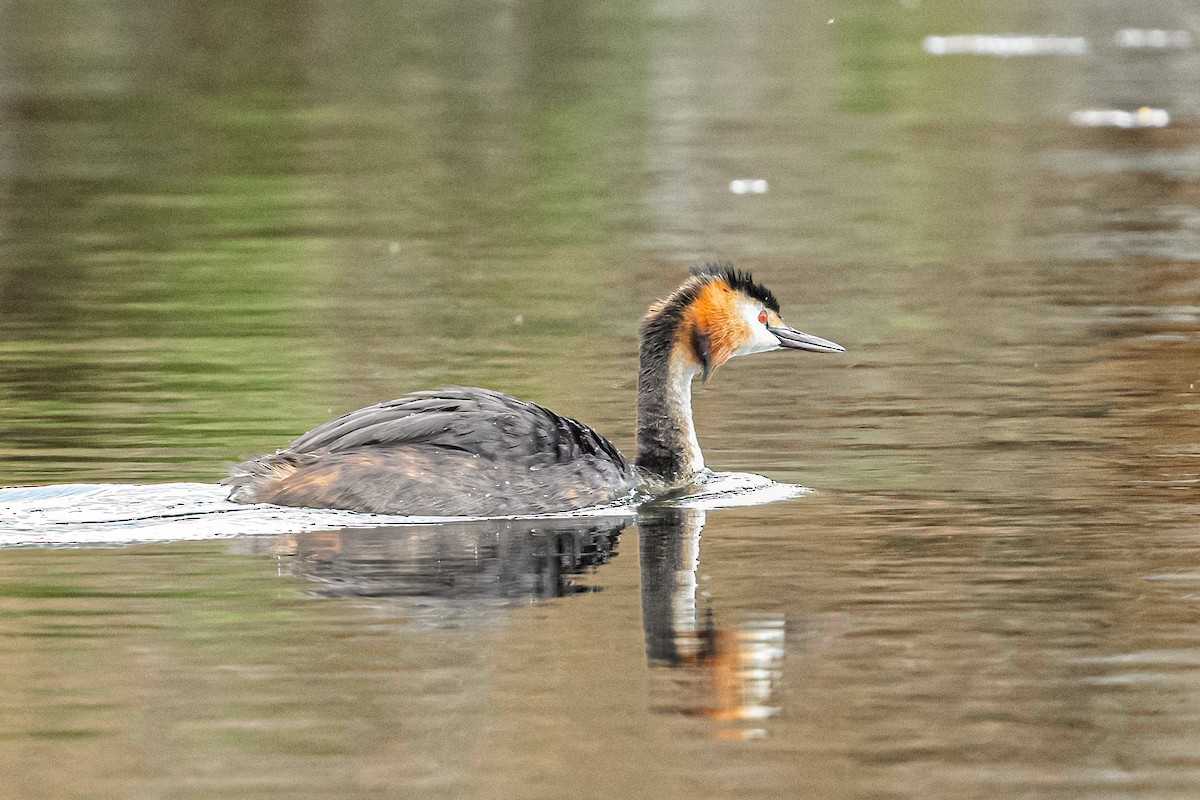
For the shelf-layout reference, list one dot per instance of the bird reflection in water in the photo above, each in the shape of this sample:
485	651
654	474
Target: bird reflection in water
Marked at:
448	574
453	569
724	672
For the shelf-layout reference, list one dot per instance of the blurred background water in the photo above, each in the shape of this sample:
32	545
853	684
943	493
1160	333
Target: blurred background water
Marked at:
222	223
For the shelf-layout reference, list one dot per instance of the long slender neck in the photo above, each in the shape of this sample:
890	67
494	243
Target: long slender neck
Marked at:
667	449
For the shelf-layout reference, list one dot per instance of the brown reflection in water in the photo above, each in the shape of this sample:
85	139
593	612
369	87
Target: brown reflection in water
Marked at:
725	673
1136	221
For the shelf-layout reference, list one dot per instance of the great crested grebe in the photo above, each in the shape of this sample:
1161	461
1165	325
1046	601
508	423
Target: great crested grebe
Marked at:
474	452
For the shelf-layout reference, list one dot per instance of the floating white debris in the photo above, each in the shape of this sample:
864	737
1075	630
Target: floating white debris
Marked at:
1154	39
748	186
1006	45
1144	117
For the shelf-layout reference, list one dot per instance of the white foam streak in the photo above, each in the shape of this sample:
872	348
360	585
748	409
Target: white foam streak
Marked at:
116	514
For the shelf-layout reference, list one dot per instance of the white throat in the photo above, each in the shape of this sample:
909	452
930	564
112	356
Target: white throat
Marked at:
681	400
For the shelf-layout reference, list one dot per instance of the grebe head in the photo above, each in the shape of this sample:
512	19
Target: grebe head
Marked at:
720	313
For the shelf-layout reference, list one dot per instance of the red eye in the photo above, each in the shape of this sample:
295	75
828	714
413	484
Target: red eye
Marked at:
762	316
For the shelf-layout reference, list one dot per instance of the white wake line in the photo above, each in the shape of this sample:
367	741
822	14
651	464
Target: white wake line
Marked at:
112	514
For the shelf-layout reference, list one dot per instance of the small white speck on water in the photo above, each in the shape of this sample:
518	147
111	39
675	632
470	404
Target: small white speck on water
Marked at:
748	186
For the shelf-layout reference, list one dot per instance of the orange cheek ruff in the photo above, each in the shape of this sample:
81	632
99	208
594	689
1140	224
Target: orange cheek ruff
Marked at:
715	314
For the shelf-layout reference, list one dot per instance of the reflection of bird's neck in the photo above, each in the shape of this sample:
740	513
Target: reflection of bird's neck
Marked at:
667	449
670	556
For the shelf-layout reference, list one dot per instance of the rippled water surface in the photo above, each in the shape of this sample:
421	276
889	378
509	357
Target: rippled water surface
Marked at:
222	224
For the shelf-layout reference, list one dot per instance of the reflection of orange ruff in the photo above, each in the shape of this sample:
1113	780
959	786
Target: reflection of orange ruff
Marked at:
726	678
730	673
724	662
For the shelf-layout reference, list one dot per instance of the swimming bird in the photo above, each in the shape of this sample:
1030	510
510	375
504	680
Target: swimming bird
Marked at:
475	452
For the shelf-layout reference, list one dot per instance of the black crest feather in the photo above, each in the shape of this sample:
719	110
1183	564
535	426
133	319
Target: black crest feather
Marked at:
738	280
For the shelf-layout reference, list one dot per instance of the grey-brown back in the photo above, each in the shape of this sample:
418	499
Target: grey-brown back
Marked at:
453	451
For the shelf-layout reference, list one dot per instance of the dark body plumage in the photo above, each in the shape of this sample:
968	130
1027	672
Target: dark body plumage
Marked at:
453	452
